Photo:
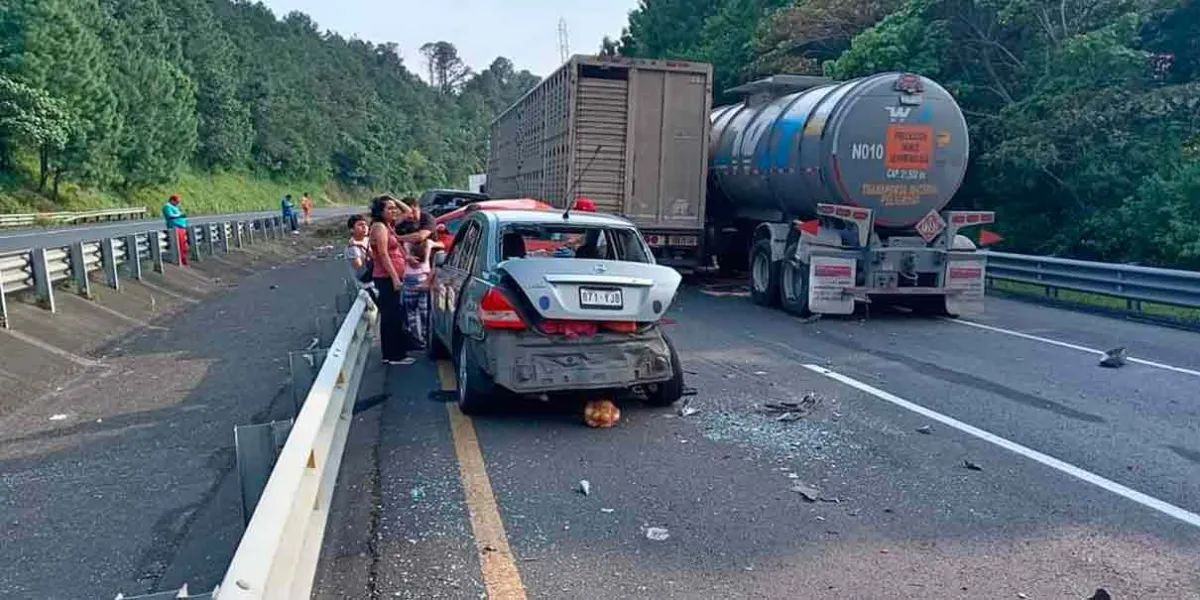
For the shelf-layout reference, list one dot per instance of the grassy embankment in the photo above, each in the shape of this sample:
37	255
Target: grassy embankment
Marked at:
201	194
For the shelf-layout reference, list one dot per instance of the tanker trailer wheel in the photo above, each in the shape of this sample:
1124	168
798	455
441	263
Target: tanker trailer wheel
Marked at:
793	285
764	275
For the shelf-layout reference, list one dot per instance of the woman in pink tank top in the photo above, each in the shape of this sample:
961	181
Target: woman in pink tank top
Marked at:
388	273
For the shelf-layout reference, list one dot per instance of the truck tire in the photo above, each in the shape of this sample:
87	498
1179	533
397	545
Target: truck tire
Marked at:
670	391
475	388
763	293
793	285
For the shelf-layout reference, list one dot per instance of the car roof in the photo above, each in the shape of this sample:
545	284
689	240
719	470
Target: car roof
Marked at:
450	192
506	217
506	204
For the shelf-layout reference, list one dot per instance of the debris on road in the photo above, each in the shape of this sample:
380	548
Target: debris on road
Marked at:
787	412
58	417
585	487
686	409
1100	594
810	494
606	510
274	287
657	534
972	466
601	413
760	373
812	319
925	429
1114	358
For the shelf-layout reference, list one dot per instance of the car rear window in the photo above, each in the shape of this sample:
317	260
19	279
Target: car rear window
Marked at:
567	241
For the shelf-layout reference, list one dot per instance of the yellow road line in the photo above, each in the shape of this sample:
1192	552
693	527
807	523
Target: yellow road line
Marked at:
500	575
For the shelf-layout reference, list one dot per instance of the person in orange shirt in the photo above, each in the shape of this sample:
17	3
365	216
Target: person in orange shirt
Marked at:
306	206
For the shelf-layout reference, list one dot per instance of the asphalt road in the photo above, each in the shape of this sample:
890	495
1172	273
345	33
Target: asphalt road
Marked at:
1081	477
15	240
122	480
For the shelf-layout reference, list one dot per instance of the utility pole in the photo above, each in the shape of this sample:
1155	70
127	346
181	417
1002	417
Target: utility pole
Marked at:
564	47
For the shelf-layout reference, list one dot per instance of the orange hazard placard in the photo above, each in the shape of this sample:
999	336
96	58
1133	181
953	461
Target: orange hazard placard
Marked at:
909	147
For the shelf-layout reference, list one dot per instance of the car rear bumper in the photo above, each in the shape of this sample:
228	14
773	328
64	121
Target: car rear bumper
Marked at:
528	363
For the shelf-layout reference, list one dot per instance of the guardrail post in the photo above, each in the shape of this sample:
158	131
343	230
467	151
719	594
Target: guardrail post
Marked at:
3	306
193	244
223	235
250	227
78	262
133	255
236	226
155	245
41	278
108	262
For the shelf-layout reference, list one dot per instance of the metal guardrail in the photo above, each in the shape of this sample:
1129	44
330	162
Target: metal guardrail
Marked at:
40	269
67	218
277	556
1161	294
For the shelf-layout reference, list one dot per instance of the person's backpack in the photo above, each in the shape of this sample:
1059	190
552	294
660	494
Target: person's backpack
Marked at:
368	269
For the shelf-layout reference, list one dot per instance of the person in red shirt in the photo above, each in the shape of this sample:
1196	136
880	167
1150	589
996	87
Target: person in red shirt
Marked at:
306	206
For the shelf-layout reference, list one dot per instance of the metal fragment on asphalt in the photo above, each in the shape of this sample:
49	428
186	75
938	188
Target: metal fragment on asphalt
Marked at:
972	466
585	487
58	417
810	494
657	534
925	429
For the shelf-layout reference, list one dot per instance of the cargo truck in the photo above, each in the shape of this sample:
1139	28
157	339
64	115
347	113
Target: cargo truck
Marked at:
829	193
629	134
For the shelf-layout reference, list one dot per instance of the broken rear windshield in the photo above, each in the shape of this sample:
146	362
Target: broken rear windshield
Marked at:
572	241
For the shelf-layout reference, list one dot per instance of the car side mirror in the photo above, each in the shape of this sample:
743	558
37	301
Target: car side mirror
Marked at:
440	258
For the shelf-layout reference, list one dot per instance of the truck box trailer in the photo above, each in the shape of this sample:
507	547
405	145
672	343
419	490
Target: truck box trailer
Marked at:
629	134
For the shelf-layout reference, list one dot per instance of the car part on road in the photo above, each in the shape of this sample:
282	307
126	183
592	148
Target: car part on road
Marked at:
670	391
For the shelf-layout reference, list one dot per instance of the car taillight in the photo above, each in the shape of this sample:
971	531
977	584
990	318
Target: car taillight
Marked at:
621	326
497	312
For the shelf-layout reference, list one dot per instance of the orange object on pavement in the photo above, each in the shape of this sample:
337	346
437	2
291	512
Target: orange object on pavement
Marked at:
601	413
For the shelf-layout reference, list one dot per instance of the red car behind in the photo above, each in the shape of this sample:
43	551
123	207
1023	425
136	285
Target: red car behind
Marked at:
447	224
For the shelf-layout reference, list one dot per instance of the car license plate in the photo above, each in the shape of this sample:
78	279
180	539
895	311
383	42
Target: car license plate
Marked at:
684	240
600	298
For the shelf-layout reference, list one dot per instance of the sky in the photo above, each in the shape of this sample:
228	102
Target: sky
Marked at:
525	31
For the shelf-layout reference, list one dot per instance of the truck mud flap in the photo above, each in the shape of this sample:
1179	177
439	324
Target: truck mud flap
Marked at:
829	277
965	286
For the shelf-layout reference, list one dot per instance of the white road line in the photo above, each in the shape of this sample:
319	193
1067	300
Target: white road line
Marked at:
1140	361
1148	501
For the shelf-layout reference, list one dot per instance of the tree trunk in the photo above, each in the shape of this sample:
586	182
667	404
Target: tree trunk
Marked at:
44	173
58	173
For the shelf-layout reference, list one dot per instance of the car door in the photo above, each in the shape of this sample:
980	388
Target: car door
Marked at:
449	279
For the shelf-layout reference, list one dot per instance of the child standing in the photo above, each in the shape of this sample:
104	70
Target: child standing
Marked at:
416	293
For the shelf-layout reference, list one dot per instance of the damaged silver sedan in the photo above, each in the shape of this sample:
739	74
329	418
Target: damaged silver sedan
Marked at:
545	303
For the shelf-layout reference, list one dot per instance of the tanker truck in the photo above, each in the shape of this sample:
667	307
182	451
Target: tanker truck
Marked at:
830	193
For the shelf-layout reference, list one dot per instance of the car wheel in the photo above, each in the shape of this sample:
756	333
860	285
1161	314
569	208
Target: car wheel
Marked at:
764	275
668	392
435	348
475	388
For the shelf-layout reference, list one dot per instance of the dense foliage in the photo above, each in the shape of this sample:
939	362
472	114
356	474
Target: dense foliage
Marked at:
1084	114
127	95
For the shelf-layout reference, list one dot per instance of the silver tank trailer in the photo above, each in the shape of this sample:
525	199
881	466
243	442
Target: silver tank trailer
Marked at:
895	143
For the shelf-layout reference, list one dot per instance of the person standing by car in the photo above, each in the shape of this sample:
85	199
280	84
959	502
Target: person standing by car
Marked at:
288	208
306	206
417	226
387	253
358	254
177	225
416	292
